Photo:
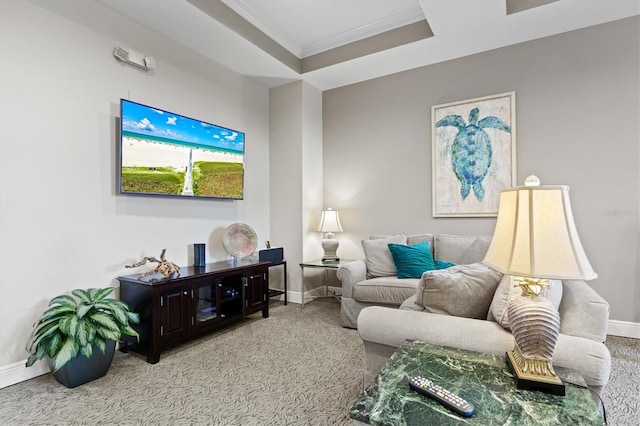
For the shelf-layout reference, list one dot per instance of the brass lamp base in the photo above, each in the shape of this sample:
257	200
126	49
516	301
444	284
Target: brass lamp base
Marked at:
534	374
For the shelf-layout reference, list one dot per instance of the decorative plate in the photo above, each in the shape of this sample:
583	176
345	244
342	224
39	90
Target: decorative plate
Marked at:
240	240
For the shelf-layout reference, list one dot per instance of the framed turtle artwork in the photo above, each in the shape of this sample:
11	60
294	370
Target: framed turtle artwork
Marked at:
473	155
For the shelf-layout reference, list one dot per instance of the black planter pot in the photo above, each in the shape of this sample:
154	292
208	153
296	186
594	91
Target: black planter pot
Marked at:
81	369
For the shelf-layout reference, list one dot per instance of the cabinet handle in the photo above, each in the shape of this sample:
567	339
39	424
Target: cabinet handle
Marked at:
185	293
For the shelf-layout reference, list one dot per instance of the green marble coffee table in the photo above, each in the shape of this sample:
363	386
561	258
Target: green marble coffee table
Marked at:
482	379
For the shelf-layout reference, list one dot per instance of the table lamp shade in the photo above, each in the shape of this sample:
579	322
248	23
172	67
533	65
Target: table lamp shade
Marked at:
330	221
535	235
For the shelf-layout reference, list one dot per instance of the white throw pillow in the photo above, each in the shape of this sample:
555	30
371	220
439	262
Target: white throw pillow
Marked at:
378	257
507	290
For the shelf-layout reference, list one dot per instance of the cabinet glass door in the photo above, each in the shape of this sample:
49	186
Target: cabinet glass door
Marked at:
231	295
205	302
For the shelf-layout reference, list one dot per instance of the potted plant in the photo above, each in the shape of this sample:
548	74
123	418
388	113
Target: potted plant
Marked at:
88	324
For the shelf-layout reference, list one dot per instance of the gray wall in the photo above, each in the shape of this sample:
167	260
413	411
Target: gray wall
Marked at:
295	156
577	109
63	225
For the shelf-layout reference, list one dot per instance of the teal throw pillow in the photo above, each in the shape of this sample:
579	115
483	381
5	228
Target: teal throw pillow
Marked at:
444	264
411	261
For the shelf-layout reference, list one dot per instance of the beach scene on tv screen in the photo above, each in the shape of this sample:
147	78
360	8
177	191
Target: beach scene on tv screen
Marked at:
166	153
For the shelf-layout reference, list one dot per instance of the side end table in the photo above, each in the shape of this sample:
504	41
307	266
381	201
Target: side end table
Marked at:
482	379
318	264
277	292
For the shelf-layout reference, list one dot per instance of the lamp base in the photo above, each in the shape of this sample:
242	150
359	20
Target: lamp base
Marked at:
546	381
330	246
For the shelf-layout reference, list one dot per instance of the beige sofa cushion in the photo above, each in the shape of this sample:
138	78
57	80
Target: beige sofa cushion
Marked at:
418	238
461	250
507	290
385	290
463	290
378	257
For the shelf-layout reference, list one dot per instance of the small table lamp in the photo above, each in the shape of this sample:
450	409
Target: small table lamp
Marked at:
535	239
330	223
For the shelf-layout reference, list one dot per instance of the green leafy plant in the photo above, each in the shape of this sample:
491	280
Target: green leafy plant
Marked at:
72	326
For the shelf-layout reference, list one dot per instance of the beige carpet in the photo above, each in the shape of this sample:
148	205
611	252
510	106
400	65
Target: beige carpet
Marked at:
622	394
298	367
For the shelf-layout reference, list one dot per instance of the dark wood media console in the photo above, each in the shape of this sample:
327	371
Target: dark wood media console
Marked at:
199	301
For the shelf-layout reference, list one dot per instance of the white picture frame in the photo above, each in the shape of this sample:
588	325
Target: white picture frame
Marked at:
473	155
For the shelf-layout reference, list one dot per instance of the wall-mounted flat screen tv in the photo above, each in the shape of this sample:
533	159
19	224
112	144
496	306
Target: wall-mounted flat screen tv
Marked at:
163	153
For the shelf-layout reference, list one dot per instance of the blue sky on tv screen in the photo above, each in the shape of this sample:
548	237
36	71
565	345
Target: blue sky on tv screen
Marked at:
163	125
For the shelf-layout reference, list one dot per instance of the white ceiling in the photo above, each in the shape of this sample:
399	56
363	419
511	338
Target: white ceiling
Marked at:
306	27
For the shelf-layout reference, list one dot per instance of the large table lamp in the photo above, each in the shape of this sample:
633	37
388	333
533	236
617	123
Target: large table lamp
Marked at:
330	223
535	240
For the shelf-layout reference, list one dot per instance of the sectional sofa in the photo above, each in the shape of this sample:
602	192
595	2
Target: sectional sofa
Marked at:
461	303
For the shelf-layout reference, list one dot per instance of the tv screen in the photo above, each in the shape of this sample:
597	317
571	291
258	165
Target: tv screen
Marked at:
163	153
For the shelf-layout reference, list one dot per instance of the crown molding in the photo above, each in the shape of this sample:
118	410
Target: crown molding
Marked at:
255	18
380	26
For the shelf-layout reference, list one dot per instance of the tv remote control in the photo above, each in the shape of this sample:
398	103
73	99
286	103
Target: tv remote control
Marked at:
442	395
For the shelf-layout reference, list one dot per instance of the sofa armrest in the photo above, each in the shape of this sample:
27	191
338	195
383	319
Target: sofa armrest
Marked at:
583	313
350	273
391	327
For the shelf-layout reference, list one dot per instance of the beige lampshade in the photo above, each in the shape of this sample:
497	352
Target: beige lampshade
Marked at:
535	235
330	221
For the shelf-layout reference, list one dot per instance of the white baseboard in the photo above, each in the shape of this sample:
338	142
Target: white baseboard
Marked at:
624	329
17	372
296	296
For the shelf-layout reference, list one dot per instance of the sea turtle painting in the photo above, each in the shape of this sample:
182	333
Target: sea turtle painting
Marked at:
471	149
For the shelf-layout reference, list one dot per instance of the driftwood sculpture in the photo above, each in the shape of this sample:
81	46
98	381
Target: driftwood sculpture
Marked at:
164	267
